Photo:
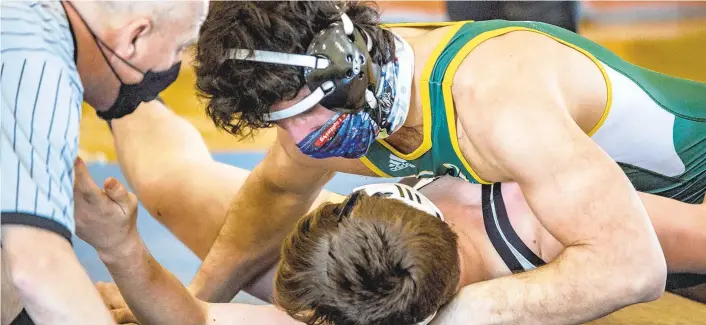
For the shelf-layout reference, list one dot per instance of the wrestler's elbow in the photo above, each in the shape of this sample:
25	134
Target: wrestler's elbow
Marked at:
654	287
638	275
619	280
642	261
647	279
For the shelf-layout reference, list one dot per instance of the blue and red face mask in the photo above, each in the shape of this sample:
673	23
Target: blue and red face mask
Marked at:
350	135
344	135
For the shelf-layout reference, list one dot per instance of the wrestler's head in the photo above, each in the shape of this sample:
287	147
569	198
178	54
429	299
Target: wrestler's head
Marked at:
242	93
370	260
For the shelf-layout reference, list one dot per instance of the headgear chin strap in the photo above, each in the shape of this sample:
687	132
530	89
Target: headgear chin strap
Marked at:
338	70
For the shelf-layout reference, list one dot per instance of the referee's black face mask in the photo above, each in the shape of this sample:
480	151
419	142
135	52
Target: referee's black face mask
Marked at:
131	95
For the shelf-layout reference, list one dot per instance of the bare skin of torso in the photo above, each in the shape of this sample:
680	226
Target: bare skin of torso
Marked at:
586	112
460	202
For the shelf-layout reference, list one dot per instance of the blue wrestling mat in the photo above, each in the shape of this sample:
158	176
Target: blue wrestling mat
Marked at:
168	251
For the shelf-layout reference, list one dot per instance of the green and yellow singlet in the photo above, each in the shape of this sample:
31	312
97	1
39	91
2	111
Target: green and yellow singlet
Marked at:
653	125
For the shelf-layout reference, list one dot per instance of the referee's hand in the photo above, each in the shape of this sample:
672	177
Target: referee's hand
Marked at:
105	218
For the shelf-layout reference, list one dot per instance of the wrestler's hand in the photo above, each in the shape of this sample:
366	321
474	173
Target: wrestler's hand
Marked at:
106	219
116	303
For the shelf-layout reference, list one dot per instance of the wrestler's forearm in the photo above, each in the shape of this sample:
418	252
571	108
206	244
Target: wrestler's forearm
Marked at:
567	291
50	281
678	226
154	295
249	241
245	314
247	245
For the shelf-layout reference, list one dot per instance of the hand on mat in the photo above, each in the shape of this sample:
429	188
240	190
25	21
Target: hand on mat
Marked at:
116	304
106	219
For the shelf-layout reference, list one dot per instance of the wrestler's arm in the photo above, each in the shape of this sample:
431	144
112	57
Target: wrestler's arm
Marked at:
156	297
107	220
680	227
520	125
275	195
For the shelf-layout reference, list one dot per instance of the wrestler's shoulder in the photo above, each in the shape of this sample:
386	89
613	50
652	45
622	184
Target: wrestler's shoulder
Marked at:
506	56
510	67
498	79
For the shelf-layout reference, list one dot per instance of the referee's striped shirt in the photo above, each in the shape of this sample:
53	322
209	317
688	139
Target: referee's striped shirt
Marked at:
41	109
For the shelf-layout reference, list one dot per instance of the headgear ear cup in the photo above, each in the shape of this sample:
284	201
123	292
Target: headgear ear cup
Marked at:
338	69
351	67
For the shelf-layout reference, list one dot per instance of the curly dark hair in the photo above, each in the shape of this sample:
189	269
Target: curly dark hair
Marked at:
240	93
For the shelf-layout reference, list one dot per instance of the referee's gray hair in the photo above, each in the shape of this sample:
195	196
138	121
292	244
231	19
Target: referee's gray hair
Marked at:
116	12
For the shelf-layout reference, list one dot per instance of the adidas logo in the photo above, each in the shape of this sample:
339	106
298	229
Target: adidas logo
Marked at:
397	163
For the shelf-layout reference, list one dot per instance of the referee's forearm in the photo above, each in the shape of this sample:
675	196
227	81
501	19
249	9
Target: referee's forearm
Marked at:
49	278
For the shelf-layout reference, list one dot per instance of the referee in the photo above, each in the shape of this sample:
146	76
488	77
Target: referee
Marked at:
55	55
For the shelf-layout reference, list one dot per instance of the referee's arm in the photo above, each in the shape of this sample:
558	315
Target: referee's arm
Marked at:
37	192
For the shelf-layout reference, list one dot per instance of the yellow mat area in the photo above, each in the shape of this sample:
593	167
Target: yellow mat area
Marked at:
677	48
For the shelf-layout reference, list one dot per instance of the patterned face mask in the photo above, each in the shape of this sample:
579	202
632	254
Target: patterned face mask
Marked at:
350	135
344	135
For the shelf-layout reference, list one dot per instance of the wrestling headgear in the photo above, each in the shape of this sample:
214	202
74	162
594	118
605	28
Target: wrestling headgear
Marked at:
338	70
401	192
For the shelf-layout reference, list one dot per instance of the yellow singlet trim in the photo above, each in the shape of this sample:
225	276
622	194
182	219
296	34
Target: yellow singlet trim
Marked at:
466	49
424	94
609	93
373	168
422	24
